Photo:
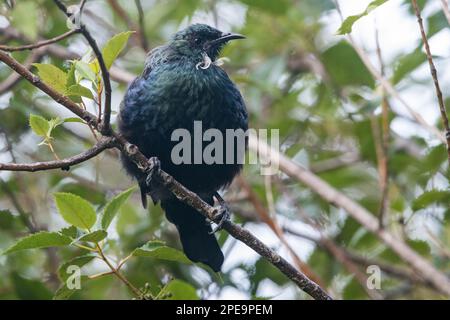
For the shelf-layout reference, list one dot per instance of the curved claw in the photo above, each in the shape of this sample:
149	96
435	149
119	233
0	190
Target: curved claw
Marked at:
154	165
223	212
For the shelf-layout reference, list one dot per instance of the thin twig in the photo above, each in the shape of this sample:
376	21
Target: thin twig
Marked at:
384	148
141	33
118	274
434	76
40	43
99	147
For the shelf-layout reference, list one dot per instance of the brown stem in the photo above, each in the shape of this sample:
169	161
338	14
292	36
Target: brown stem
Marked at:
434	76
99	147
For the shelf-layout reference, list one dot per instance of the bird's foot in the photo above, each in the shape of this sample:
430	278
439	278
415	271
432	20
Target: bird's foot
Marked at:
222	212
154	165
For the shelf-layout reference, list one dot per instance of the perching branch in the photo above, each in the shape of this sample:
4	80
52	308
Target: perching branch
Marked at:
434	76
175	187
99	147
15	78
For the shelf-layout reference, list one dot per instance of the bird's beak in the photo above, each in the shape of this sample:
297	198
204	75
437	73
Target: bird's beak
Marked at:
225	38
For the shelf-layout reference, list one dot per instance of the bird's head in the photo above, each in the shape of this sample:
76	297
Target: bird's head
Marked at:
199	39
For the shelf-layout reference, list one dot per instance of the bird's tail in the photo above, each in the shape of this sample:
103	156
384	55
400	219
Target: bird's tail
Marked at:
198	244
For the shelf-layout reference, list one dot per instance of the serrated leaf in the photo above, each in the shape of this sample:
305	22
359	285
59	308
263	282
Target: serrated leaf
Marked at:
75	210
347	24
95	236
113	206
52	76
39	240
157	250
114	47
39	125
71	232
78	90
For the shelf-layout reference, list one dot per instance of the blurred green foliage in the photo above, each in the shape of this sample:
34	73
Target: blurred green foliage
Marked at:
311	86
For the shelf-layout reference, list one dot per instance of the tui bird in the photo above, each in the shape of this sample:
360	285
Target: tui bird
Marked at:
182	83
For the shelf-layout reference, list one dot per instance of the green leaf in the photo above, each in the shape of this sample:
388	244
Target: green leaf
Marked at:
94	237
52	76
78	90
408	63
40	240
85	71
347	25
77	261
71	232
113	206
114	47
157	250
64	293
73	119
71	79
179	290
345	67
6	220
432	197
75	210
39	125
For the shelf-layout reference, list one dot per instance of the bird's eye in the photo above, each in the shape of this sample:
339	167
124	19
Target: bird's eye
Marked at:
197	40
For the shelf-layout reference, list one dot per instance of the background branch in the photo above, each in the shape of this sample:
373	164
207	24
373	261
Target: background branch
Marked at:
434	76
439	280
